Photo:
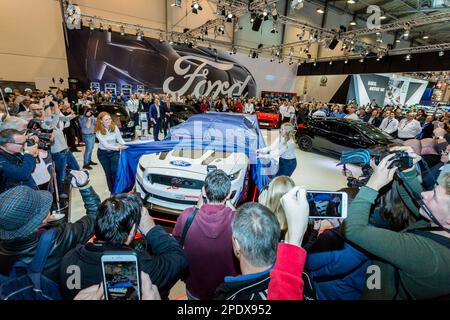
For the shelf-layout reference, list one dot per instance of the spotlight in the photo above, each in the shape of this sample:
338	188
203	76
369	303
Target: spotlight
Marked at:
230	17
425	37
101	27
274	28
320	10
361	60
397	40
264	13
91	25
274	12
122	30
195	7
408	57
176	3
351	1
161	38
346	60
139	34
315	63
297	4
331	62
441	53
383	17
109	29
353	23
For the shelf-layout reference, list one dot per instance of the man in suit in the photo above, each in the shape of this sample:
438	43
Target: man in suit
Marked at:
156	116
374	118
167	113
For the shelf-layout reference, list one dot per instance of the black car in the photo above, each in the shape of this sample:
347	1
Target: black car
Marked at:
120	117
182	111
333	135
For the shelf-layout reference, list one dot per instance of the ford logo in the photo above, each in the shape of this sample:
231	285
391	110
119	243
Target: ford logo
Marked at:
180	163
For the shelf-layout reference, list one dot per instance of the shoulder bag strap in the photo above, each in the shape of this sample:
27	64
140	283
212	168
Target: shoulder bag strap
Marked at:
187	225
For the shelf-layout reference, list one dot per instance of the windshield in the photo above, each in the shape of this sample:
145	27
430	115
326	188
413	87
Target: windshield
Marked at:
372	131
267	110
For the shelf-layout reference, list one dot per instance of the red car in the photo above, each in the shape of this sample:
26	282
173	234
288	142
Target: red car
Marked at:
268	117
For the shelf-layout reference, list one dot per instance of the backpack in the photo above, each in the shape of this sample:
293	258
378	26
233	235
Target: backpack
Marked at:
31	285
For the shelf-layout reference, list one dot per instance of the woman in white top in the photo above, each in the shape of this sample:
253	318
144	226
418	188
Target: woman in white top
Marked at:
284	149
110	144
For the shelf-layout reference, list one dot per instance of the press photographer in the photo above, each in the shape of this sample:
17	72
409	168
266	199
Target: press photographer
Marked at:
414	262
17	159
63	158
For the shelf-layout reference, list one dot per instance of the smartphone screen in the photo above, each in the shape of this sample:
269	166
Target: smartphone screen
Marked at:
121	277
327	204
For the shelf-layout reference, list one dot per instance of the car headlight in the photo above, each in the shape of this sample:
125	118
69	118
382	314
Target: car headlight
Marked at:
234	176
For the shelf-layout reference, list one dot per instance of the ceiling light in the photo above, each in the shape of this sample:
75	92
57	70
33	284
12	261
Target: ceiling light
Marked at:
109	29
91	24
441	53
139	34
408	57
101	27
161	38
315	63
425	37
122	30
320	10
353	23
361	60
346	61
264	13
398	40
383	17
195	7
331	62
351	1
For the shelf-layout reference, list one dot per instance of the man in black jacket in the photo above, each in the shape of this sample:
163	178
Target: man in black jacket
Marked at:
256	232
118	220
24	213
374	118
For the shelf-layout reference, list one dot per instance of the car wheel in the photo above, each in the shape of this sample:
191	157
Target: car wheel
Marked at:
304	143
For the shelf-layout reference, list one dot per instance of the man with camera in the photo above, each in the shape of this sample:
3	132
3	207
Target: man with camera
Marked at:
413	263
24	214
87	122
61	154
119	218
17	164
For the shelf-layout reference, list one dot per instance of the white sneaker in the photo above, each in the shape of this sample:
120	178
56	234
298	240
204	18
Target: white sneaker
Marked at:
55	217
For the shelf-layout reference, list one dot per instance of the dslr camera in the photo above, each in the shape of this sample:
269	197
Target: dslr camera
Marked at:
401	160
44	136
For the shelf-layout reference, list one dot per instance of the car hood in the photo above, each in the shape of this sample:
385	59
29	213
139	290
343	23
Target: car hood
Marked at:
194	161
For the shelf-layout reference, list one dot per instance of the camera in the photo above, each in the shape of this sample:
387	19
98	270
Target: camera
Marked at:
44	136
401	160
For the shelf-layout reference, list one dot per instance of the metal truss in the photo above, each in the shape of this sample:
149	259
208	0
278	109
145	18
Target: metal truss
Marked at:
401	24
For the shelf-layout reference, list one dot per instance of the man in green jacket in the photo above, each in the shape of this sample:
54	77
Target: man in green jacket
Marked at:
413	263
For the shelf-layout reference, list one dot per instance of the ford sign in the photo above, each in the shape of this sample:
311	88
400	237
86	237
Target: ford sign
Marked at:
180	163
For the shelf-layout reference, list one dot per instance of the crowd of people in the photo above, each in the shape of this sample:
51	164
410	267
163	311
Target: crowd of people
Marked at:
393	245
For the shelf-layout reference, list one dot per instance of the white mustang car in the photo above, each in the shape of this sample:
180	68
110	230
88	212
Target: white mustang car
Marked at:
172	181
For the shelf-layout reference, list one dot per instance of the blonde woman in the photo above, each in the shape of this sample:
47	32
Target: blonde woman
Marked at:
283	149
271	197
110	144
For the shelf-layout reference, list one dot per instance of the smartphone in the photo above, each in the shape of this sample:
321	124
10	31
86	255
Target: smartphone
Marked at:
327	204
121	280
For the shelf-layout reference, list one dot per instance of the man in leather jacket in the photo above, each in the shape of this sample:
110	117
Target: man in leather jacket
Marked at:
23	216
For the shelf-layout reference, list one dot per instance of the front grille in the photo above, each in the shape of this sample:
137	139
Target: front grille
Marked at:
185	183
151	195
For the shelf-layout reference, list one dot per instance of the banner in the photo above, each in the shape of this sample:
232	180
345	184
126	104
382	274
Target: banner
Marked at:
110	61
